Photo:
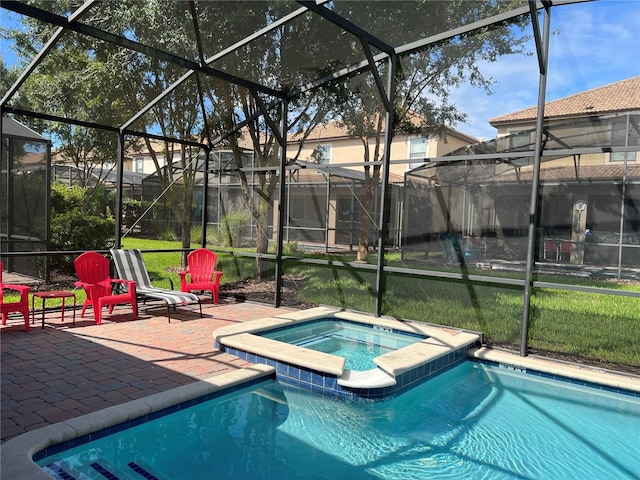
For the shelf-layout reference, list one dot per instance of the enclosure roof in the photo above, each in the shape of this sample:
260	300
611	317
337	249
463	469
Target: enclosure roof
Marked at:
107	175
12	128
278	50
587	132
343	172
622	96
592	173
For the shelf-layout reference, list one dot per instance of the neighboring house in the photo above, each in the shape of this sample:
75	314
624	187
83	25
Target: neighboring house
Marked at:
599	191
586	185
330	144
140	159
325	195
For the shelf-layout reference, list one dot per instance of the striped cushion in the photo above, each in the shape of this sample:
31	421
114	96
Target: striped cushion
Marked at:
130	266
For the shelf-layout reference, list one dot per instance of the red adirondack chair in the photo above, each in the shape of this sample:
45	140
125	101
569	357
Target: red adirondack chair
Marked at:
92	270
201	274
21	306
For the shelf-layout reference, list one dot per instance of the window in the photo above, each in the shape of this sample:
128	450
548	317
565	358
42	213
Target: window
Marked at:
139	165
321	154
623	135
417	148
520	141
417	152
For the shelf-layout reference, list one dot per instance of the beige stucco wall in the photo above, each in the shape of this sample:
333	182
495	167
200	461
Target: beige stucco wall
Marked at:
591	159
351	150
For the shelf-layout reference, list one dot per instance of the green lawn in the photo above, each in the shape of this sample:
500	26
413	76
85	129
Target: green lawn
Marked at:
586	325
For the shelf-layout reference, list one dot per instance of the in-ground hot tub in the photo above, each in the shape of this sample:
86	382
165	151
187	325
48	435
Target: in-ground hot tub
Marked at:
428	351
358	343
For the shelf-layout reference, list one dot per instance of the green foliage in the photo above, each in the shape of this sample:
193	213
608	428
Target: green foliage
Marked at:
235	228
212	235
131	211
288	248
168	235
79	221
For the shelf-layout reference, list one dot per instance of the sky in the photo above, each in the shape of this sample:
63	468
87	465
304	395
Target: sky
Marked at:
592	44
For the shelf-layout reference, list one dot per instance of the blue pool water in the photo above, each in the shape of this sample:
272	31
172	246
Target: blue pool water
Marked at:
472	422
358	344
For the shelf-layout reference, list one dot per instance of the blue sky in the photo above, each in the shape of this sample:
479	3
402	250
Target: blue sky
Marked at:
593	44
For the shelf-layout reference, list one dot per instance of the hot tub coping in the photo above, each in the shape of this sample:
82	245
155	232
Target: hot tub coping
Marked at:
439	342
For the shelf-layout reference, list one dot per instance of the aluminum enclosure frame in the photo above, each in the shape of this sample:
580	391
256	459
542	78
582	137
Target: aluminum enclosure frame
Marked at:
389	54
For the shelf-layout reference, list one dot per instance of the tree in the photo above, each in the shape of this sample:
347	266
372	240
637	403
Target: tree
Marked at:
7	77
423	81
143	78
69	83
274	59
85	79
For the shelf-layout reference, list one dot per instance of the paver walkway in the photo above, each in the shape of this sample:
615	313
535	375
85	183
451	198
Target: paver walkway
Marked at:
50	375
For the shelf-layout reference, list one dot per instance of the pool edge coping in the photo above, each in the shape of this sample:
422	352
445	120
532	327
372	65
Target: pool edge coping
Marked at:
564	370
16	454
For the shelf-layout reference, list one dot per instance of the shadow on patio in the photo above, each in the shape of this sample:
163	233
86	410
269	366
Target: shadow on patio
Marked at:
59	372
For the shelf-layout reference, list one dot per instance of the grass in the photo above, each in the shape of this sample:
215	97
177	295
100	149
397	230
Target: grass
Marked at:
592	326
586	325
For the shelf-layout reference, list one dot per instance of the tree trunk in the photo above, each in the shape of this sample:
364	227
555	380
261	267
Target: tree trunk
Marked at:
262	234
365	221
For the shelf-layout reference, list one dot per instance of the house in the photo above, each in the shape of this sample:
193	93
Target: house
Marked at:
326	195
331	144
599	191
140	158
589	180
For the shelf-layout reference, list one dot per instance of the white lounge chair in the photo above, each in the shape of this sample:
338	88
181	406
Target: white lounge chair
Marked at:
130	266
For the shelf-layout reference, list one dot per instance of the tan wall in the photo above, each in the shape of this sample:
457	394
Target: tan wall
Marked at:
591	159
351	150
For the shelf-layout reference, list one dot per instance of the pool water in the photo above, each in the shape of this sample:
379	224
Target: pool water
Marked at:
358	344
472	422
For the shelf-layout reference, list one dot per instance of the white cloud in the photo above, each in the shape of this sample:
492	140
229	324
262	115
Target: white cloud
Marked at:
596	43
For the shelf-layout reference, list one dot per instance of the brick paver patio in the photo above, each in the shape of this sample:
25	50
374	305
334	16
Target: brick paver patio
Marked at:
50	375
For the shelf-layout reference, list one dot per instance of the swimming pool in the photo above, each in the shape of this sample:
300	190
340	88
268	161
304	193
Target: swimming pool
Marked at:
473	421
359	344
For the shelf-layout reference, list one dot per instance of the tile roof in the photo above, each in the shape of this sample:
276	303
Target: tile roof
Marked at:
333	130
587	173
622	96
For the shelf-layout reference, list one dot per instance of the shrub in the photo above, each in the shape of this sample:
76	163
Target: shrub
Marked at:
78	224
235	228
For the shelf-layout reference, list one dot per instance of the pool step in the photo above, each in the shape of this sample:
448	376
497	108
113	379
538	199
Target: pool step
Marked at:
97	471
374	378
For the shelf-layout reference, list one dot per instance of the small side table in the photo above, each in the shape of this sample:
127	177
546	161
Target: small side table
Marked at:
53	294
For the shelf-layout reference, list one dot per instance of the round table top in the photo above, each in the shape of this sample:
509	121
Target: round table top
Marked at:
54	294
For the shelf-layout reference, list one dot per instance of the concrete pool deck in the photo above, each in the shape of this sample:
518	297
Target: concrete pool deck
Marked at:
53	376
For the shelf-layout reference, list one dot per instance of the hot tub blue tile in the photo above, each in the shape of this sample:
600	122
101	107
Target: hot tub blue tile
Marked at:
317	379
331	383
305	376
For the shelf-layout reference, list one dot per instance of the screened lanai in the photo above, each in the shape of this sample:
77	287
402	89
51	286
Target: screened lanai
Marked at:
439	235
477	201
